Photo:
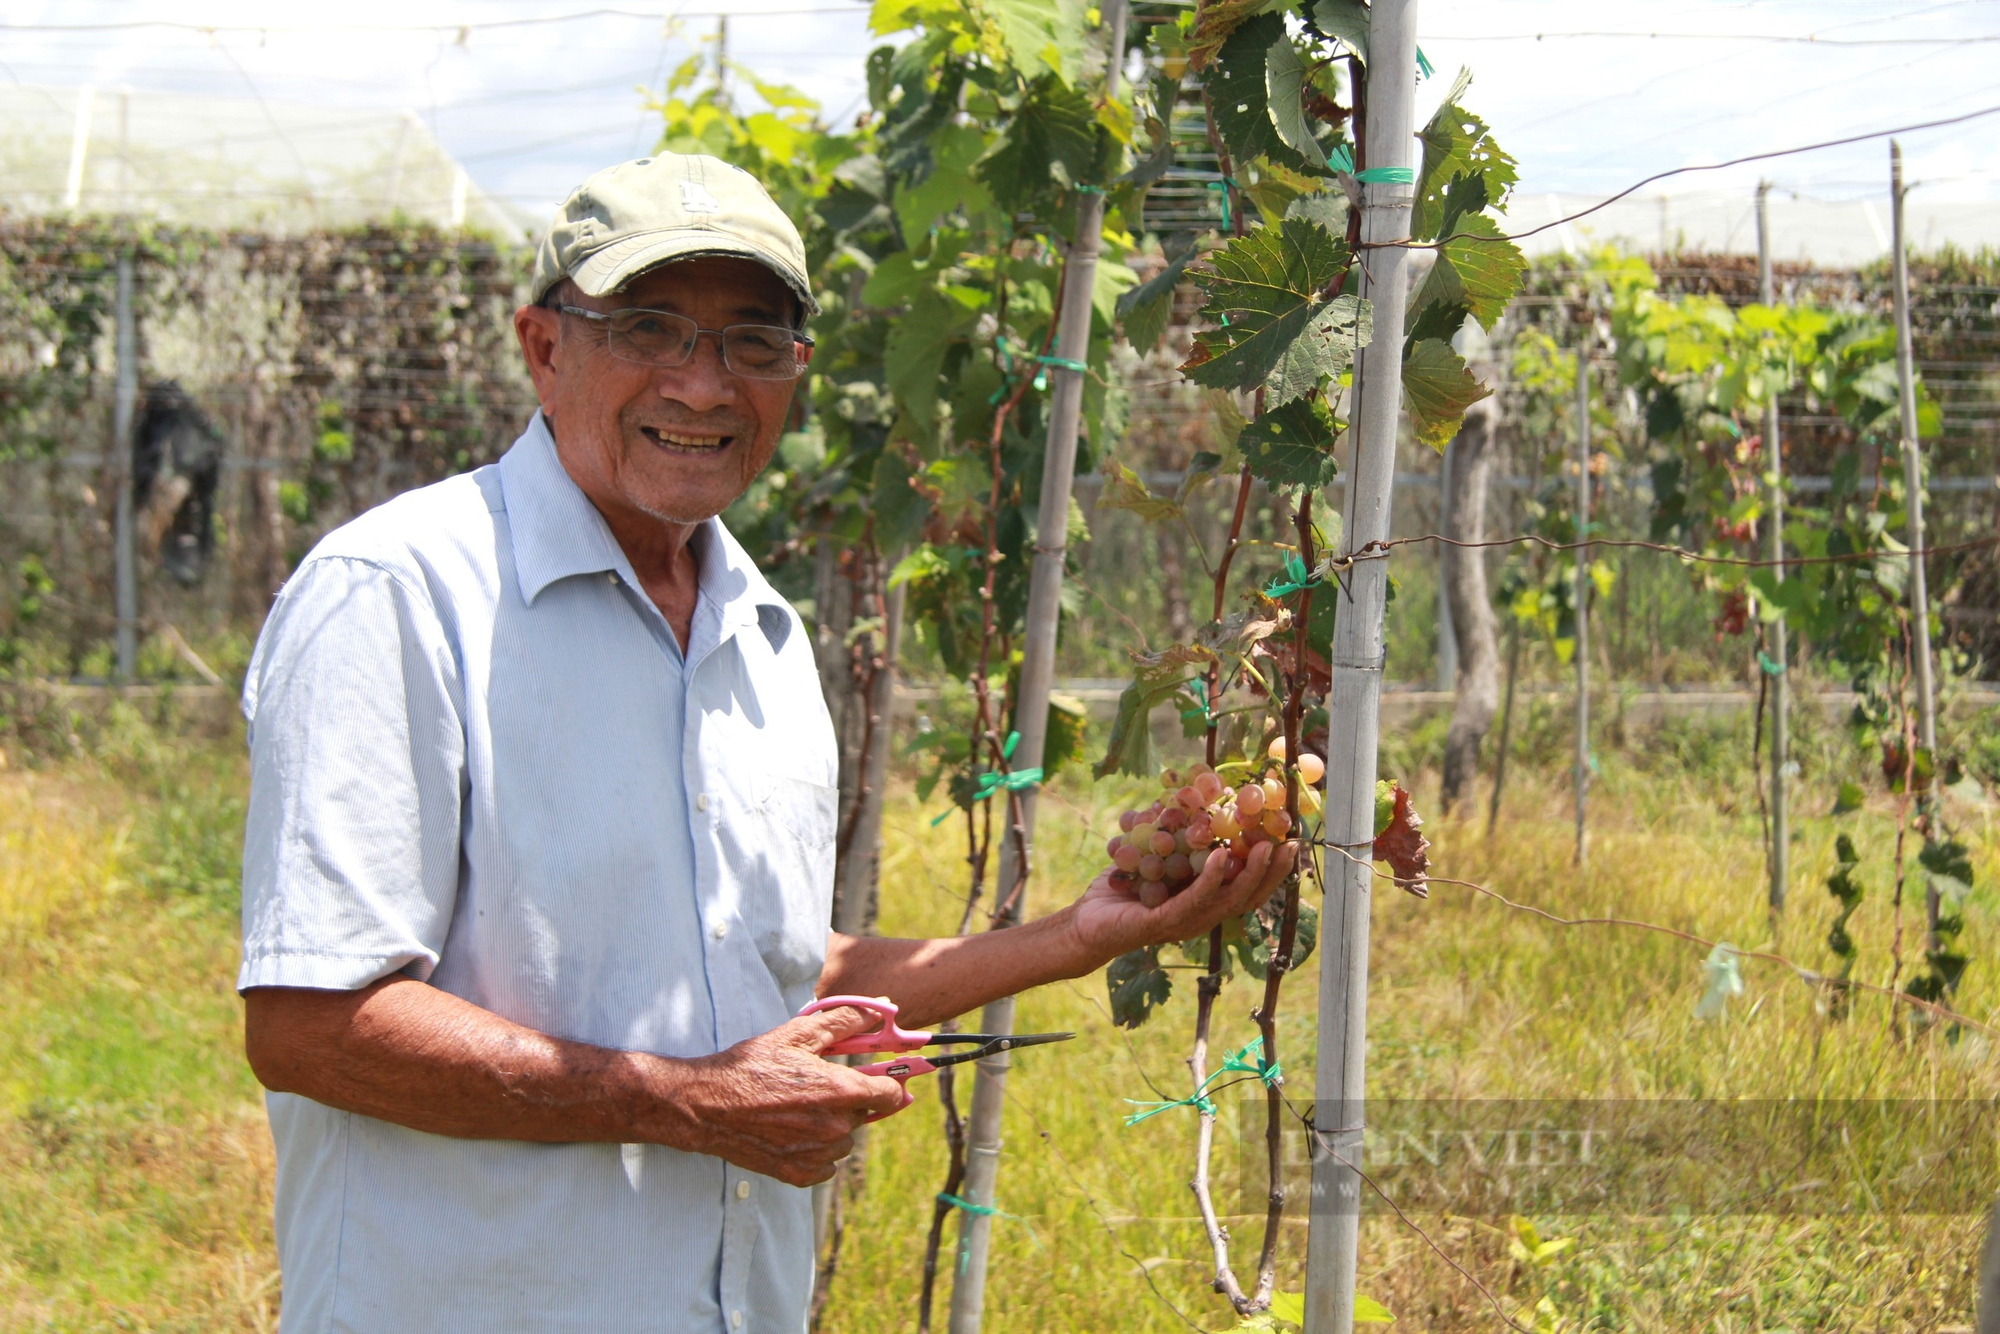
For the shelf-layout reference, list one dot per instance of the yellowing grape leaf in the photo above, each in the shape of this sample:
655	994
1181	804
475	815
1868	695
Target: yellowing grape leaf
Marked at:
1397	841
1126	490
1437	389
1217	22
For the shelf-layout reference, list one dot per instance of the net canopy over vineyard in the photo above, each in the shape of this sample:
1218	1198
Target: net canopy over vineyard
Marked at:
1611	582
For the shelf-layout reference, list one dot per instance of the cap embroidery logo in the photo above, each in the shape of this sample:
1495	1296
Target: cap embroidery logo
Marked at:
695	198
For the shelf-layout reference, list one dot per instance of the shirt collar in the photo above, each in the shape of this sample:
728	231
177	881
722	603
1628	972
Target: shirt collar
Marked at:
557	533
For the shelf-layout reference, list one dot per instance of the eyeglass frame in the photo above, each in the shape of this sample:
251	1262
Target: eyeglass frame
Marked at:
799	336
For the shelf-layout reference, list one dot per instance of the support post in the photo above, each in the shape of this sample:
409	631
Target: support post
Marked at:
1031	713
1334	1236
1581	598
1913	485
125	575
1774	550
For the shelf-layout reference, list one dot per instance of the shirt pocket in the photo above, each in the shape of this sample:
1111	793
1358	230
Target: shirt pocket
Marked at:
790	902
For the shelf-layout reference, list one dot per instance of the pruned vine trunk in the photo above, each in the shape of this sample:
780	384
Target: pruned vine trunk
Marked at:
1478	679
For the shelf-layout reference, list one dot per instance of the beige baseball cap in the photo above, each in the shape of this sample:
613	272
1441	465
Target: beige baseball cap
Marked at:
638	215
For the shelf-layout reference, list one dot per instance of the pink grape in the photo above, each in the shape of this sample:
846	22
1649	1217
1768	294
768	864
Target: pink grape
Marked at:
1179	868
1111	848
1249	799
1128	819
1191	798
1124	880
1209	786
1127	857
1152	893
1163	842
1311	768
1152	867
1198	859
1200	832
1274	791
1277	823
1173	819
1142	833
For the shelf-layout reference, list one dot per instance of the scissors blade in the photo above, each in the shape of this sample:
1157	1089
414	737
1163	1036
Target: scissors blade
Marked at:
997	1043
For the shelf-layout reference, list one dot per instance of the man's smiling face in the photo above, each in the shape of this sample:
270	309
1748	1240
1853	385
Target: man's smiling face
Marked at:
677	443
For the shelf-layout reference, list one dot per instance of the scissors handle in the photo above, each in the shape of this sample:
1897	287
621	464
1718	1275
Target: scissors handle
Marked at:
887	1038
902	1069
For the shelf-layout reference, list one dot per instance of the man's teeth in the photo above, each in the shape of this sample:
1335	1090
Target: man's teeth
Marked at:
683	441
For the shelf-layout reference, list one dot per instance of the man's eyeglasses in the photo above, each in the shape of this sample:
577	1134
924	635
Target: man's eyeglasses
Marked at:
662	338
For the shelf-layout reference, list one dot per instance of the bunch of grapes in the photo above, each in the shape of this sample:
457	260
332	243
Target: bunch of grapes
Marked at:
1161	848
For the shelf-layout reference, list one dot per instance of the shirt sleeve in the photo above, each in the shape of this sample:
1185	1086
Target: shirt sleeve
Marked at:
357	770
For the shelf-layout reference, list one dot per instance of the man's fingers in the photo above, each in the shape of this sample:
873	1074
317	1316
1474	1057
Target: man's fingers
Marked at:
1262	874
822	1028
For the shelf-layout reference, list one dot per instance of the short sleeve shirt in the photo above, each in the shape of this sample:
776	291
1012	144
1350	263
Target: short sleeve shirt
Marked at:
479	758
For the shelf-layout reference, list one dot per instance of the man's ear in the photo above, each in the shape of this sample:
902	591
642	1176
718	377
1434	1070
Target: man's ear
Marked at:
539	330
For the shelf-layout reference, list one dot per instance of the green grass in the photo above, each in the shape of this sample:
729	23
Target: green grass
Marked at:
135	1167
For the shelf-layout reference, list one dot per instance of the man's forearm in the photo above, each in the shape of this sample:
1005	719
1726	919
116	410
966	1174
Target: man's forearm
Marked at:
933	980
407	1052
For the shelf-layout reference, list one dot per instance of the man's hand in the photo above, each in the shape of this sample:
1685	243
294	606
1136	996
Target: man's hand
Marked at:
772	1104
1107	922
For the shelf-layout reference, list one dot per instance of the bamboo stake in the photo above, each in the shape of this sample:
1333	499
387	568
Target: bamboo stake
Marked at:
1581	600
1031	712
1353	701
1774	544
1913	485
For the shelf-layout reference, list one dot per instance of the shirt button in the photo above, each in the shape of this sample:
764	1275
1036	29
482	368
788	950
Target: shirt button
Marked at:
701	801
742	1190
612	577
719	930
736	1320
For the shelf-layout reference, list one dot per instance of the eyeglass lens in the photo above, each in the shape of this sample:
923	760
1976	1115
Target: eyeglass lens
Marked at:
658	338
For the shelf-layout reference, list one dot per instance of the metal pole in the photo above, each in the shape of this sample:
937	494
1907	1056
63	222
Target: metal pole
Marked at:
1031	715
1341	1082
1581	598
125	399
1774	550
1913	485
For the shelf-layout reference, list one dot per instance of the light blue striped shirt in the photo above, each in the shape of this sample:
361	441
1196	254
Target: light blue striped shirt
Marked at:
478	757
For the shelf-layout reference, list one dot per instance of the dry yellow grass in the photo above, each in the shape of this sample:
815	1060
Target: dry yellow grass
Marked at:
135	1168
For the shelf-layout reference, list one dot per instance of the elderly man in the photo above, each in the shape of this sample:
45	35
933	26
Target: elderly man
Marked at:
538	864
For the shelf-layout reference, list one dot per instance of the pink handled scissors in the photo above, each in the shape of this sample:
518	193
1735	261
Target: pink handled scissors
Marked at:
892	1038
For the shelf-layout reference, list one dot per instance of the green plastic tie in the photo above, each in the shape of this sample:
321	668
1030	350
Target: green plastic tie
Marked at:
1387	176
1201	710
1090	189
1340	159
1223	186
1297	579
1424	66
983	1211
1064	363
1237	1062
1020	780
1770	668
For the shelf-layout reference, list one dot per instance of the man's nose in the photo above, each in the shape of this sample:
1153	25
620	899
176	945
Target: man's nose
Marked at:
702	383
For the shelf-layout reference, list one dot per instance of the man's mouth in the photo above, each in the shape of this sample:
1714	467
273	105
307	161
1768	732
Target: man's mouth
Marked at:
686	442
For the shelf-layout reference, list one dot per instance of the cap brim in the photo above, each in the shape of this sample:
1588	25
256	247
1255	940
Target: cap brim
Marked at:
605	271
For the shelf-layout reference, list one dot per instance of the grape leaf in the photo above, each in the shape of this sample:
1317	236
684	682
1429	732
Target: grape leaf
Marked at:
1055	126
1218	21
1130	747
1368	1311
1397	841
1457	143
1146	309
1328	208
1126	490
1437	389
1284	81
1238	98
1849	798
1324	349
1292	445
1346	20
1138	985
1477	268
1263	289
1040	35
1948	867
